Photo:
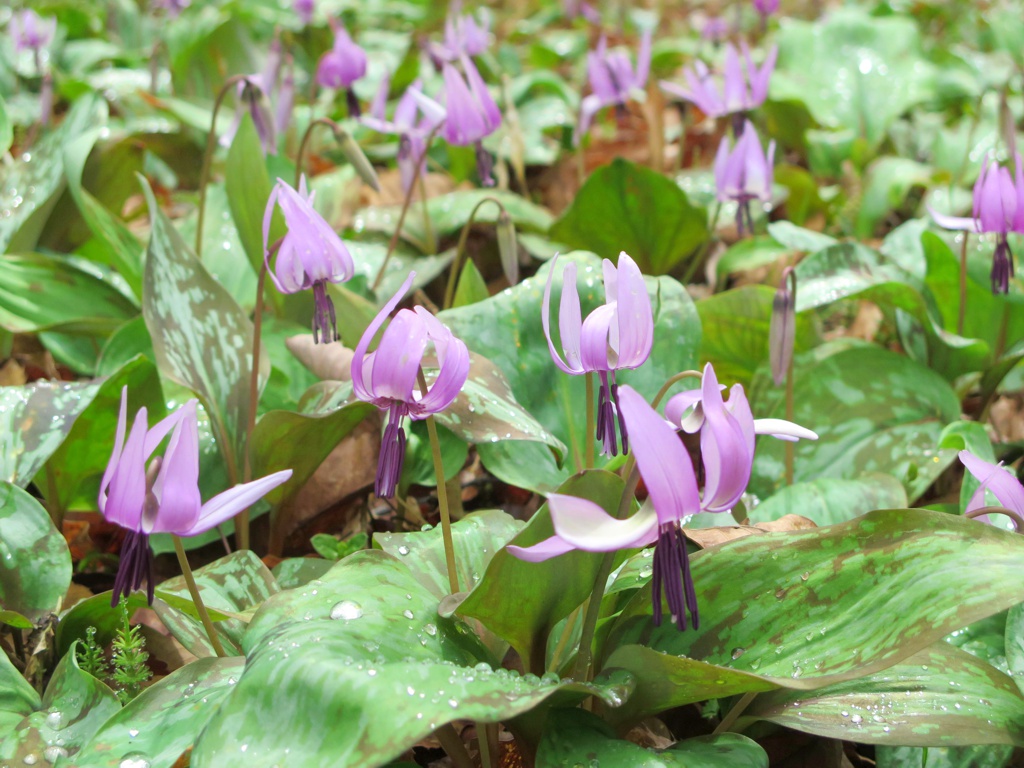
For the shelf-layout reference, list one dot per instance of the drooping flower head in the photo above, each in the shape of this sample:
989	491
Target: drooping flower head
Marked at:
253	96
782	329
304	9
576	8
464	35
309	256
995	478
470	114
31	32
998	209
387	377
742	87
766	7
408	124
613	79
716	29
617	335
744	173
341	66
163	497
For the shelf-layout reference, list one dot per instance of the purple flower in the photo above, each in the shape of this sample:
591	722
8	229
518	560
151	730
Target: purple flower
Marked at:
173	8
766	7
463	36
671	484
617	335
387	377
412	132
284	98
744	173
304	10
341	66
470	114
163	498
31	32
574	8
782	329
309	256
715	29
613	80
253	96
999	209
743	86
993	477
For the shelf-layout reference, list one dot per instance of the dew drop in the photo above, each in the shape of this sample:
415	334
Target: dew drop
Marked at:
737	652
430	629
408	614
52	754
403	550
856	719
134	761
346	610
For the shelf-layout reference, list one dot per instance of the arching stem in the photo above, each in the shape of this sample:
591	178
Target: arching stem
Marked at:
454	269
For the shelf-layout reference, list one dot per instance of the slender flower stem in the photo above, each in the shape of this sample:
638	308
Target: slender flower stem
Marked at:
211	143
1018	520
305	142
193	590
668	385
585	655
393	242
563	640
588	435
962	312
453	746
483	738
428	229
442	496
733	714
460	251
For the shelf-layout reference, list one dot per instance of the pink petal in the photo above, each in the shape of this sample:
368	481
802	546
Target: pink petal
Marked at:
569	319
359	355
996	479
635	316
585	525
224	506
541	551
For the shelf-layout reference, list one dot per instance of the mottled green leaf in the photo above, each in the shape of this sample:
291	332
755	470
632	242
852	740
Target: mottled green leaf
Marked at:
235	583
985	756
295	572
201	337
165	719
576	737
35	567
1015	643
361	687
940	696
806	609
873	410
248	188
626	207
829	500
17	696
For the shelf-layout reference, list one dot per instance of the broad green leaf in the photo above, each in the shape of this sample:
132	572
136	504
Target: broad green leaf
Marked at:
471	288
286	440
201	337
799	239
940	696
888	182
363	650
625	207
873	410
514	599
35	567
853	70
45	292
295	572
73	708
1015	643
507	330
829	500
576	737
449	213
165	719
72	474
740	320
235	583
248	188
807	609
17	696
751	253
127	342
985	756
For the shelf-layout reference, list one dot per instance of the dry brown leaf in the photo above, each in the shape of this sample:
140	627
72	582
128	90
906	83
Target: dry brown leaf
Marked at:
329	362
1007	418
12	374
713	537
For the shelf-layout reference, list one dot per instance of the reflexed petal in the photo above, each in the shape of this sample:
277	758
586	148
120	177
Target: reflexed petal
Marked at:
643	59
735	86
635	316
224	506
594	336
398	357
465	123
569	319
783	430
996	479
115	457
127	493
358	356
589	106
679	404
663	461
727	448
724	184
483	98
177	484
585	525
378	107
453	358
542	550
953	222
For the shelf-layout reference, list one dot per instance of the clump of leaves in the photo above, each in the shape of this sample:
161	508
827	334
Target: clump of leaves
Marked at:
329	548
91	658
129	659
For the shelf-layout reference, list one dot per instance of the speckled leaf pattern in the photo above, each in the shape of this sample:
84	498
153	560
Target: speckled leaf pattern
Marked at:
506	329
1015	643
873	410
73	708
295	441
35	564
940	696
626	207
356	667
828	500
449	213
575	737
985	756
201	337
34	420
237	583
811	608
165	719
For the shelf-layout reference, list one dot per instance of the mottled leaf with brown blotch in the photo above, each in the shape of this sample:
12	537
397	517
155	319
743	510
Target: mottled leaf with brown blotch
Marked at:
940	696
808	609
201	337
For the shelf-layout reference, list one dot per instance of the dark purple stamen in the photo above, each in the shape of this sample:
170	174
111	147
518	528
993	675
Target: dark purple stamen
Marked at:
672	576
392	452
135	567
744	218
484	165
353	103
404	147
1002	266
323	315
608	414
